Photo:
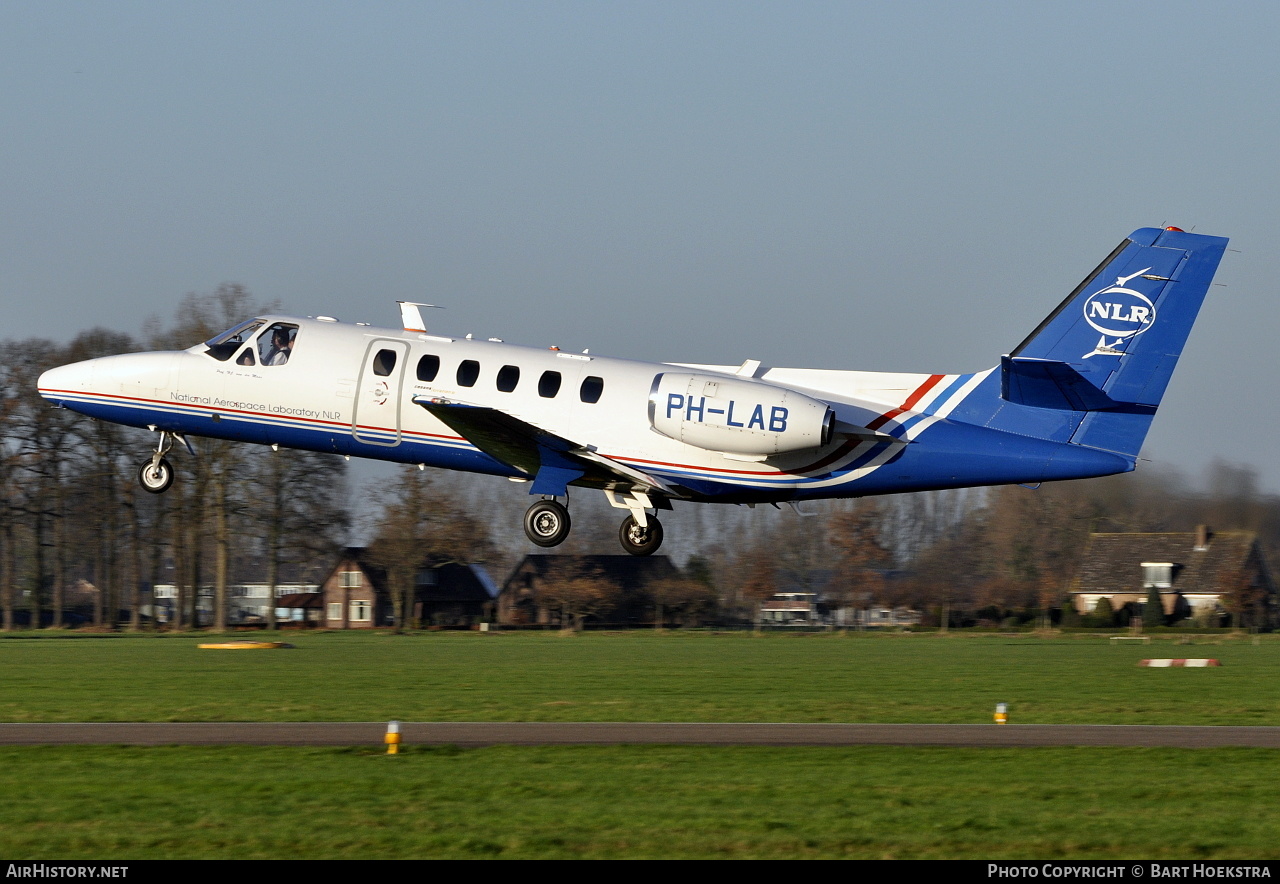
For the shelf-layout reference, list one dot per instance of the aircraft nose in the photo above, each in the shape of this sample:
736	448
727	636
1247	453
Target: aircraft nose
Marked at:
56	383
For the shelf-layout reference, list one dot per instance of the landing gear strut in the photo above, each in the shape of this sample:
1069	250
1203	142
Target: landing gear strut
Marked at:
546	523
640	540
641	533
156	474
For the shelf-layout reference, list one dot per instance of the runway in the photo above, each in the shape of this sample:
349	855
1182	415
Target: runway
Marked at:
471	734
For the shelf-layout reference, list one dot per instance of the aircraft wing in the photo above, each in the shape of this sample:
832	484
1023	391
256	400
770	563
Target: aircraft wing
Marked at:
551	461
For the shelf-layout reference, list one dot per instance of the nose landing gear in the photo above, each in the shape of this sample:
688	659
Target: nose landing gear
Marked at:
156	474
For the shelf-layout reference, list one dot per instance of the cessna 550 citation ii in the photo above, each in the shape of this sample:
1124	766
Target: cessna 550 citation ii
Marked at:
1074	400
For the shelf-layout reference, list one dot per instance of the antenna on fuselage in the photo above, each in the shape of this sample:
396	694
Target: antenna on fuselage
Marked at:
411	318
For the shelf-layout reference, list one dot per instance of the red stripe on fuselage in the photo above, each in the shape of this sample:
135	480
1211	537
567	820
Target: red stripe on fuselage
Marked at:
188	407
908	404
876	424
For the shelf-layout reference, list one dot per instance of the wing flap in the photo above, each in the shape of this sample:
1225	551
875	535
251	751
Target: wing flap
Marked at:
552	461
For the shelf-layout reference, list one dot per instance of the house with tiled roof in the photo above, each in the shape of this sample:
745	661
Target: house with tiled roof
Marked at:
1199	575
521	602
356	594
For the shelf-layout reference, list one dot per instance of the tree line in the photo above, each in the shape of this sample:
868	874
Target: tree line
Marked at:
1011	553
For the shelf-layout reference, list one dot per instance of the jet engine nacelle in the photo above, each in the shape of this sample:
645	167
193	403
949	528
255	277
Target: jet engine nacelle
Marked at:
737	416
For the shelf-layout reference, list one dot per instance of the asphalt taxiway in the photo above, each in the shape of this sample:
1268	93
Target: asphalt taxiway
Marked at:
463	733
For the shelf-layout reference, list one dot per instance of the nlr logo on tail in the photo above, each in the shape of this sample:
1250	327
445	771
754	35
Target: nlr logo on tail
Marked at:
649	435
1119	311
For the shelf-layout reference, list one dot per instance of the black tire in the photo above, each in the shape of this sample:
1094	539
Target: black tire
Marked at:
156	479
640	541
546	523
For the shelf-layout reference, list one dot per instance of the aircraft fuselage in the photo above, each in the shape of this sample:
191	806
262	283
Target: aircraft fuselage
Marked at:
333	396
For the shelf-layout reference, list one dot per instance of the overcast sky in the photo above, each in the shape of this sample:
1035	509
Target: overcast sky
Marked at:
883	186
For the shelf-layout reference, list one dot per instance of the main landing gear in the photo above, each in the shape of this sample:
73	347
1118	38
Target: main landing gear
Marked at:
546	523
156	473
640	540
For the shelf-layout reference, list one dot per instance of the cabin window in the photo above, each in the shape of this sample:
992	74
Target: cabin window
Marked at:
428	367
468	373
549	384
222	346
246	357
384	363
592	387
508	377
275	345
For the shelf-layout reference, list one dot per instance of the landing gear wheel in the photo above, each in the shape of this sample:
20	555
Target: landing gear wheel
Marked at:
156	477
547	523
640	541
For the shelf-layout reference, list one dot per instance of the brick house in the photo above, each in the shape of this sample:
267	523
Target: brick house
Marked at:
356	594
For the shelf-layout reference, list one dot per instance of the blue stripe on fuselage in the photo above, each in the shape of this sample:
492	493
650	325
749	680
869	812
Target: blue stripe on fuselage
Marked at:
292	432
945	454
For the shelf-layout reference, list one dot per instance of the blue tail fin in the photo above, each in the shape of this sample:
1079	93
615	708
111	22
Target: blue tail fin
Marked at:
1095	370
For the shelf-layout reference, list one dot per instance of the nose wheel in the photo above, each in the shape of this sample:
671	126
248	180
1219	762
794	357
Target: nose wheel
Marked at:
156	475
640	541
546	523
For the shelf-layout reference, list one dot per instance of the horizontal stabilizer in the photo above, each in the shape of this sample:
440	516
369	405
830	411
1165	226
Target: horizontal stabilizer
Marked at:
1047	383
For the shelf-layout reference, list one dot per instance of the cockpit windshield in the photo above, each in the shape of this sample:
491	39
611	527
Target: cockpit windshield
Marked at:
220	347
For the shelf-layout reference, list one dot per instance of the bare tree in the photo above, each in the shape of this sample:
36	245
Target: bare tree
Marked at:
578	591
758	568
41	438
298	499
682	597
419	525
863	556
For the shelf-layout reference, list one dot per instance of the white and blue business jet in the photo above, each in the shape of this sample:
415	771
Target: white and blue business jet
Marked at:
1074	400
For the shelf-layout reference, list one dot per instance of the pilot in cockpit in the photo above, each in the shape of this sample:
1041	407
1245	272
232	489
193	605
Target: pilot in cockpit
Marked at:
281	346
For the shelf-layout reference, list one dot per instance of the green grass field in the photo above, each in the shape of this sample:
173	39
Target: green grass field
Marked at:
639	676
646	801
638	801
